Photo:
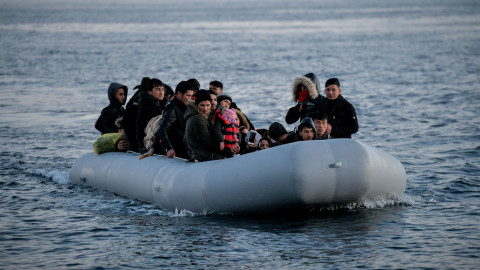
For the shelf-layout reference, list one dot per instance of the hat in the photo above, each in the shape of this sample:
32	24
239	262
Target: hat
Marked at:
276	130
223	97
202	95
332	81
230	115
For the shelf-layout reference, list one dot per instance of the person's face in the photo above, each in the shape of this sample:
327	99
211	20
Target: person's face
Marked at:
332	91
215	89
204	106
321	126
214	101
264	144
226	103
184	98
157	93
307	133
120	95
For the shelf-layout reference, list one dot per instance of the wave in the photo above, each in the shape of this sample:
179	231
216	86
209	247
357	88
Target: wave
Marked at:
57	176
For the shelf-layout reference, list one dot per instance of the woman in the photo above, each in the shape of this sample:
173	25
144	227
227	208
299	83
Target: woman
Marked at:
199	129
151	104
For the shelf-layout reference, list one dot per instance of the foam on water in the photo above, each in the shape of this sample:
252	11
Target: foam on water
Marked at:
57	176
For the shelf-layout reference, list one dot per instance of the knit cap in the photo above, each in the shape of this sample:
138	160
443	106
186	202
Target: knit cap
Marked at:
223	97
230	115
276	130
202	95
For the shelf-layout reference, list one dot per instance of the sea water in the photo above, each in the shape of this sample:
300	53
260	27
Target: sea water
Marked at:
410	68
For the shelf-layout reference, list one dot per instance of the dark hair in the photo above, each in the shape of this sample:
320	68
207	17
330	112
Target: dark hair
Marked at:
332	81
194	82
168	90
307	122
183	87
154	82
317	115
211	92
217	84
143	86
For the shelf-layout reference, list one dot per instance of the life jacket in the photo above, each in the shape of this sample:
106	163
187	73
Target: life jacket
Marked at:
229	130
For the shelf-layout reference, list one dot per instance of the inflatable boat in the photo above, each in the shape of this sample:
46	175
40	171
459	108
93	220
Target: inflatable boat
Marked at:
297	175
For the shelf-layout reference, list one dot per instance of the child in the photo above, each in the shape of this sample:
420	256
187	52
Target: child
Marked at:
227	131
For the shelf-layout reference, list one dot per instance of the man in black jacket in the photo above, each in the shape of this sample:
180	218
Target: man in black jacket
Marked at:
342	118
172	129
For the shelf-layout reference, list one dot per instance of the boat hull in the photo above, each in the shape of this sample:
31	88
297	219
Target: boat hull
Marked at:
302	174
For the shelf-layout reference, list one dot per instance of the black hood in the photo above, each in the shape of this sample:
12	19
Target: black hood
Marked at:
112	90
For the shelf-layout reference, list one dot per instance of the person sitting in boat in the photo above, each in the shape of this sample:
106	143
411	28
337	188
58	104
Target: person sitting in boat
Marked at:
213	96
264	143
195	83
227	131
305	92
306	130
279	134
171	132
198	132
320	120
216	87
131	113
117	95
342	118
225	101
150	105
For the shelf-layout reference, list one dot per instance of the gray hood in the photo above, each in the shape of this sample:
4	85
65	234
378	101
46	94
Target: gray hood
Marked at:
112	90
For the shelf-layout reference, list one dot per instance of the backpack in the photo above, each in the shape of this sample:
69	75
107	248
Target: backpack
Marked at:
150	131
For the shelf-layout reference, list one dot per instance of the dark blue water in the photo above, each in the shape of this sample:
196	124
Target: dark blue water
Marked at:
411	69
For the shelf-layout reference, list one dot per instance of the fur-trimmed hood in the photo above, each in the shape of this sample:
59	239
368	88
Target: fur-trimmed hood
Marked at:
312	89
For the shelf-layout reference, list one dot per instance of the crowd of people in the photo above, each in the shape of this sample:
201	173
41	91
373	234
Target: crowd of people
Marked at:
200	125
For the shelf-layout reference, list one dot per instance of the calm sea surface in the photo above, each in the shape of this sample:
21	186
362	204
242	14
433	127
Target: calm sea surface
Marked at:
410	68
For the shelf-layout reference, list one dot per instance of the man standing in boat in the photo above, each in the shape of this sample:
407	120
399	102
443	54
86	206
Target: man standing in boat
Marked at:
342	118
172	129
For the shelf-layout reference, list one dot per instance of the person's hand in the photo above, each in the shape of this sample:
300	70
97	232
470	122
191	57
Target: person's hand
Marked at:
122	145
147	154
222	145
171	153
236	148
329	129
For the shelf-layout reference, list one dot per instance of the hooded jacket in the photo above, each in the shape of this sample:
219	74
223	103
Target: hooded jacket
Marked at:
312	103
199	135
106	121
131	113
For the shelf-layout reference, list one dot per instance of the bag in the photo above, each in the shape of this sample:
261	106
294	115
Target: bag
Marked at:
107	143
150	131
